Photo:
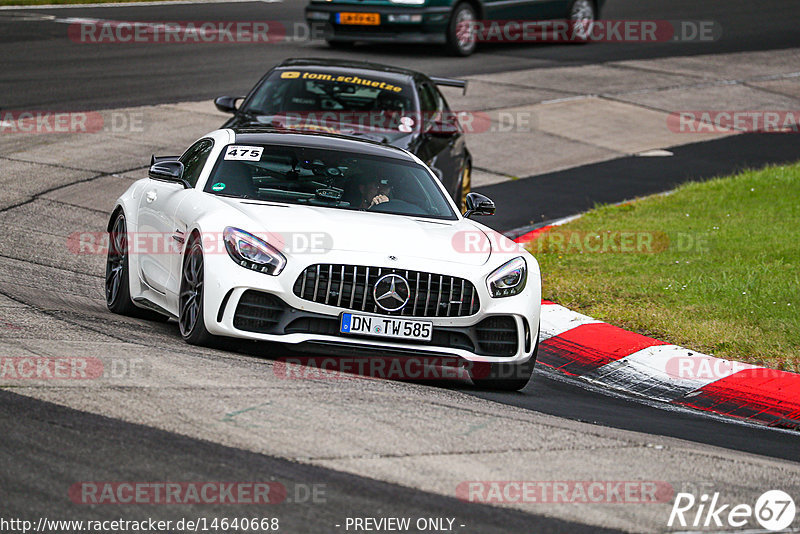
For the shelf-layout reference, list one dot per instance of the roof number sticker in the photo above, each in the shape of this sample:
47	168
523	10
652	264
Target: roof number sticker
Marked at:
244	153
406	124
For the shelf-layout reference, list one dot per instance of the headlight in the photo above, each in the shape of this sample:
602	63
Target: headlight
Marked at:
253	253
509	279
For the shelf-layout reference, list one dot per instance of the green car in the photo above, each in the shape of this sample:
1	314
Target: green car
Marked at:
451	23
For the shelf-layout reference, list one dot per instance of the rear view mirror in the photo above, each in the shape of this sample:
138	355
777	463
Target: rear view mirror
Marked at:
478	204
227	104
168	171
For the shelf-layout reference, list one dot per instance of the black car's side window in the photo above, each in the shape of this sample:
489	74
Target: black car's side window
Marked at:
428	100
442	102
194	159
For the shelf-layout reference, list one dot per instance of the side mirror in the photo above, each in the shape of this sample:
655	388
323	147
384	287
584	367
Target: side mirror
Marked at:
478	204
227	104
168	171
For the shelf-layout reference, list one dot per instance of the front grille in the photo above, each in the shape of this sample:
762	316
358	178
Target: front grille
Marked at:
351	287
258	312
497	336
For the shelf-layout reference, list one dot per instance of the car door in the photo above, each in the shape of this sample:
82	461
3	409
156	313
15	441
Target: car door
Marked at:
441	148
526	9
159	231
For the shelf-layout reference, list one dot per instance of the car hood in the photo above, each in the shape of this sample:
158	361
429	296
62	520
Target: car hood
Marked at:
297	229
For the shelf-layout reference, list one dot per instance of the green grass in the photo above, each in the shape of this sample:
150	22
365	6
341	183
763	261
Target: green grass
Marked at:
722	275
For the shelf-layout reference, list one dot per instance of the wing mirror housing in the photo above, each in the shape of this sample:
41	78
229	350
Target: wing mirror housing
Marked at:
479	205
168	171
227	104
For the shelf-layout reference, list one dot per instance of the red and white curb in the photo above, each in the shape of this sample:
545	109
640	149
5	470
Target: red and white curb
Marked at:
576	345
579	346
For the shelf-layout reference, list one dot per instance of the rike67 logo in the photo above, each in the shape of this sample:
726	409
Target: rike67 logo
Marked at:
774	510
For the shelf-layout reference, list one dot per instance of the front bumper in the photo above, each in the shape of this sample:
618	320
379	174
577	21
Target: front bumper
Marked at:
315	326
431	28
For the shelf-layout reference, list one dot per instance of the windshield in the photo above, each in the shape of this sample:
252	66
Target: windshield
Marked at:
324	98
328	178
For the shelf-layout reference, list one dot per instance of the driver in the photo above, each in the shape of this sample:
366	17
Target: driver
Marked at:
372	191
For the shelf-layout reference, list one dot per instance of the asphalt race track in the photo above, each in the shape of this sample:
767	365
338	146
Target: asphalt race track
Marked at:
40	67
379	448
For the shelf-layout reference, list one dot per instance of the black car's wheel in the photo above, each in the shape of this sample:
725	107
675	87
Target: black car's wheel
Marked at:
461	36
190	300
504	376
582	16
339	45
117	283
464	186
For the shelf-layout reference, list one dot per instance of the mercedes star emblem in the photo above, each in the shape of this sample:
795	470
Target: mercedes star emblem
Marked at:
391	292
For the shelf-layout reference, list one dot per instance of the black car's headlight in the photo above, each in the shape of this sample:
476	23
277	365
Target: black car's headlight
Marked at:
252	252
509	279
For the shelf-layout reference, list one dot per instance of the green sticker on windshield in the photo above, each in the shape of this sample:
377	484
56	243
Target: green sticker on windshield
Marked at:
219	186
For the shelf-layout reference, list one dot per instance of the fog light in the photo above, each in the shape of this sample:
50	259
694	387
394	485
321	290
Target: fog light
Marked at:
318	15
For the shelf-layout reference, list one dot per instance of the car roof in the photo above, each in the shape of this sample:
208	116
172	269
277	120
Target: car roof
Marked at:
393	73
269	136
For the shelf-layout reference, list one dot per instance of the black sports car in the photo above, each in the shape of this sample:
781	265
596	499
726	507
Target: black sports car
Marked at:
399	107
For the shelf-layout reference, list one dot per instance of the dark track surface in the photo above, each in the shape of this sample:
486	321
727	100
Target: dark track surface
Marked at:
40	68
87	447
561	194
547	395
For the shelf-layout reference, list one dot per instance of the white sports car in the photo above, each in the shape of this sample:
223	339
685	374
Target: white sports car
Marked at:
326	244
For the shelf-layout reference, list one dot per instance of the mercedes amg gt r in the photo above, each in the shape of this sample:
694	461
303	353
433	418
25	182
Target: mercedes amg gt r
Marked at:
323	243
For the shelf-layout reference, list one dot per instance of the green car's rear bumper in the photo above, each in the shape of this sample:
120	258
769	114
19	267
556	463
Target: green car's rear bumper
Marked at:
397	23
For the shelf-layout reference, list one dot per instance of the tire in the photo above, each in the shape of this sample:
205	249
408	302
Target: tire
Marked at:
190	299
117	280
340	45
582	16
462	42
504	376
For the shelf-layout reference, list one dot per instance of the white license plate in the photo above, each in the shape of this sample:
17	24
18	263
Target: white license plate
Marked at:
370	325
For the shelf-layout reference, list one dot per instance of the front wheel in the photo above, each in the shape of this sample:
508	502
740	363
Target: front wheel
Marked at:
190	302
461	35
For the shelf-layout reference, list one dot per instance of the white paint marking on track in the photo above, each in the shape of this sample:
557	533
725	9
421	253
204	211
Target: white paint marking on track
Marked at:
556	319
664	372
